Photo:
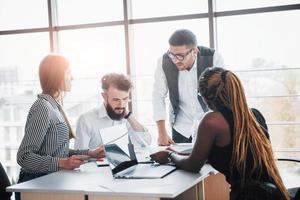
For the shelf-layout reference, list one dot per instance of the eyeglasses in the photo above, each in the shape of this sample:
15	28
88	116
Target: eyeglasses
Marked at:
179	56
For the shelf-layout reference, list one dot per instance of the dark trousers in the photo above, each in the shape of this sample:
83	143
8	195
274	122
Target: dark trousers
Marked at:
24	176
178	138
4	182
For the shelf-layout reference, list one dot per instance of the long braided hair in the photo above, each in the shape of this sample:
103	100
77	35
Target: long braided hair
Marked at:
222	88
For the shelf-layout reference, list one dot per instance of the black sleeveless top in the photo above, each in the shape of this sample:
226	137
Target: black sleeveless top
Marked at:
220	157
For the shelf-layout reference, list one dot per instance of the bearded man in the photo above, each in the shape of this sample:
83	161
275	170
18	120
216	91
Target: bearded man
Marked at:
113	111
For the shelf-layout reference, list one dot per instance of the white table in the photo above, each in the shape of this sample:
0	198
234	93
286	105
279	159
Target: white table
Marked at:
95	183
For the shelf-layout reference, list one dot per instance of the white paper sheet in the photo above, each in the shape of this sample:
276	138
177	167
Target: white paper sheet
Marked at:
117	134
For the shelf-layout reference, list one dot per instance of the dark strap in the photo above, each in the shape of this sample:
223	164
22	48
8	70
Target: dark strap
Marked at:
203	104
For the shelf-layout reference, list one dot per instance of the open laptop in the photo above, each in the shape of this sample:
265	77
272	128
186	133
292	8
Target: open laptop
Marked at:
122	159
126	166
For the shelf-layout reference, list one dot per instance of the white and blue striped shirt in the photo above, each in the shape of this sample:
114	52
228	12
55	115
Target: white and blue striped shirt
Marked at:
46	138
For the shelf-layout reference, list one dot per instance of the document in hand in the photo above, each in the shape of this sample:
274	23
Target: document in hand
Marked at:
117	134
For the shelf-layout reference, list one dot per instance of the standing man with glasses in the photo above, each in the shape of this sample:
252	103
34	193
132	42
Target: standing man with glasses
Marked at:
113	111
177	73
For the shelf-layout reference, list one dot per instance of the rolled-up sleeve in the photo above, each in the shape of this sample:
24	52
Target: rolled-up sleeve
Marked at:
159	93
28	157
139	138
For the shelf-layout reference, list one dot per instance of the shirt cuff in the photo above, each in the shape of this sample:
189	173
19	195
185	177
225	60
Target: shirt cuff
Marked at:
78	152
54	164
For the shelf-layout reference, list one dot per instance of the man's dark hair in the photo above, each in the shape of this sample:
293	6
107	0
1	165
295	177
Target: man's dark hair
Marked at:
183	37
119	81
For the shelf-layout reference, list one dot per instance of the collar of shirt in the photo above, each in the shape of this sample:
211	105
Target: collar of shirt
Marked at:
50	99
102	112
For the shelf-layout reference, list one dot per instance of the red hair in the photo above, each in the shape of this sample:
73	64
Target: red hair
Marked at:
52	74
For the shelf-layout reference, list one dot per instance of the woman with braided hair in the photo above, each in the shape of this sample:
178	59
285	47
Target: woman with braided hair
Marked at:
232	138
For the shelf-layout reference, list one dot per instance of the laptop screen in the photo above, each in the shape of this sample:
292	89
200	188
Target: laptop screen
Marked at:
119	151
118	159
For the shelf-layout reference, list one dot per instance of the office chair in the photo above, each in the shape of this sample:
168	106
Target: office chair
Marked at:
4	182
255	190
293	192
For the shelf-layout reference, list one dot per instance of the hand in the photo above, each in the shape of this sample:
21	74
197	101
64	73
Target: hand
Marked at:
162	157
171	149
72	162
126	111
164	140
97	153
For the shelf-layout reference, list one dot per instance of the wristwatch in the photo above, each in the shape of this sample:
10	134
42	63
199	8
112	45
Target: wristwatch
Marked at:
169	156
126	116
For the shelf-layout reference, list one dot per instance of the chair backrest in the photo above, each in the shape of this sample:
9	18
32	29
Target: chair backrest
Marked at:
4	182
254	190
293	192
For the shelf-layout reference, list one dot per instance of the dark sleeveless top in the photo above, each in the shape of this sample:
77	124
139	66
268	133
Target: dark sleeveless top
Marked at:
220	157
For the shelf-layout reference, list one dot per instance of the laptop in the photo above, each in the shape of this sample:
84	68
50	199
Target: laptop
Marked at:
122	159
127	166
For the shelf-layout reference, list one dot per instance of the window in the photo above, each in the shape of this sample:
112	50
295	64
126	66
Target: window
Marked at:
88	11
157	8
93	52
20	55
222	5
7	154
261	47
16	14
269	39
263	50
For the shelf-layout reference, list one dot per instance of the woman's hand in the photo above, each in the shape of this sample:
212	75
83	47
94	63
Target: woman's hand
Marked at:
72	162
97	153
162	157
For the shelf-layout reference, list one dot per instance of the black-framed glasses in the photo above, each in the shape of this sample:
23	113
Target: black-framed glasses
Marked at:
179	56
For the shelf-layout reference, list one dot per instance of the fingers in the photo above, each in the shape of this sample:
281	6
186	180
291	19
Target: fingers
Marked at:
97	153
81	157
171	141
165	141
76	160
154	156
160	157
70	163
170	149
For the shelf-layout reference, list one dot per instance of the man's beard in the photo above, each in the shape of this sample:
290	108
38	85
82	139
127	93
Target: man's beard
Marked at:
112	114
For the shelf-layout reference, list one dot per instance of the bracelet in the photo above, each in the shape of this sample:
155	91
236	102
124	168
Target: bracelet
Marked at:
126	116
170	153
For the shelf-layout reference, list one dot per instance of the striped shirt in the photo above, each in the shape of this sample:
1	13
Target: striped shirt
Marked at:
46	138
